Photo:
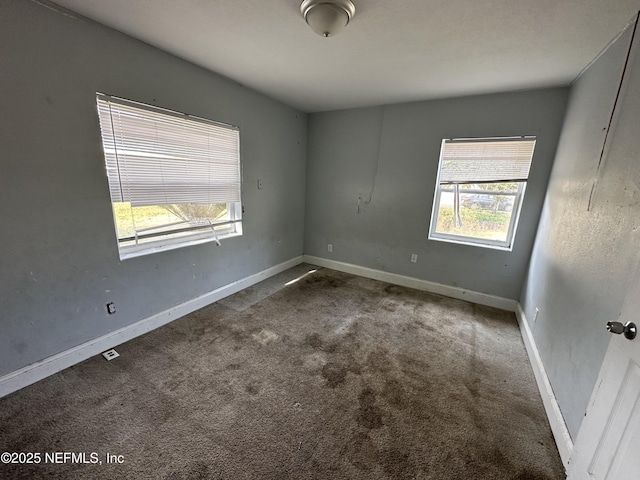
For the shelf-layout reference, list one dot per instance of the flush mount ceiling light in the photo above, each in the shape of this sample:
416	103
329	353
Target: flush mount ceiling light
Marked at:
327	17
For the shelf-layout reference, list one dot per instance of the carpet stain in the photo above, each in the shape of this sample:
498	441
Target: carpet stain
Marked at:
399	464
369	415
321	281
379	360
335	374
314	341
393	289
360	451
390	306
394	393
253	389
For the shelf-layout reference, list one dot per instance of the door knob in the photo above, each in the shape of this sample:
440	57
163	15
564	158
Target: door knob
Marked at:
628	329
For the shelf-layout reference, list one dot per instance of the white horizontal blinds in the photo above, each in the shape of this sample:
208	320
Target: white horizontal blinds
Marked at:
158	157
108	145
482	161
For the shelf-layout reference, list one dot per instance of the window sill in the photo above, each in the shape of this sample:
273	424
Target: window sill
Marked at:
166	245
471	243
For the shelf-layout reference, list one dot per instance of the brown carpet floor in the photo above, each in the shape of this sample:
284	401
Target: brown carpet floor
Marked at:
332	377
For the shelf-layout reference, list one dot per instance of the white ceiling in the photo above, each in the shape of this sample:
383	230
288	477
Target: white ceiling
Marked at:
392	51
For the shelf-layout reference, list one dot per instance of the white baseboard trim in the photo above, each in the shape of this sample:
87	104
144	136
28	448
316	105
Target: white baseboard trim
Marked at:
37	371
556	420
431	287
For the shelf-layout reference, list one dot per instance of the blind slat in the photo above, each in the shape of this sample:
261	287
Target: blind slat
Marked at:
161	157
486	161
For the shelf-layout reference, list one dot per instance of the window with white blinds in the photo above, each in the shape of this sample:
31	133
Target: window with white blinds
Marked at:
174	179
480	188
479	161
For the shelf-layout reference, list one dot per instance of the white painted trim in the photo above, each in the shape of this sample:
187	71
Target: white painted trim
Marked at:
556	419
432	287
37	371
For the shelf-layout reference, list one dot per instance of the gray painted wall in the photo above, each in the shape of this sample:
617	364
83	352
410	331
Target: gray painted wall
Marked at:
388	156
59	262
583	259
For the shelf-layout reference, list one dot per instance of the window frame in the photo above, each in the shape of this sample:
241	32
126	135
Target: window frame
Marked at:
518	198
168	239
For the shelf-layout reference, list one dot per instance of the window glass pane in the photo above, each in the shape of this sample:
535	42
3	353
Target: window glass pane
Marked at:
485	210
151	221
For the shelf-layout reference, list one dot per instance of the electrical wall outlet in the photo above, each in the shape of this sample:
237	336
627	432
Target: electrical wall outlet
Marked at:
259	184
329	247
414	258
535	315
110	354
111	308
